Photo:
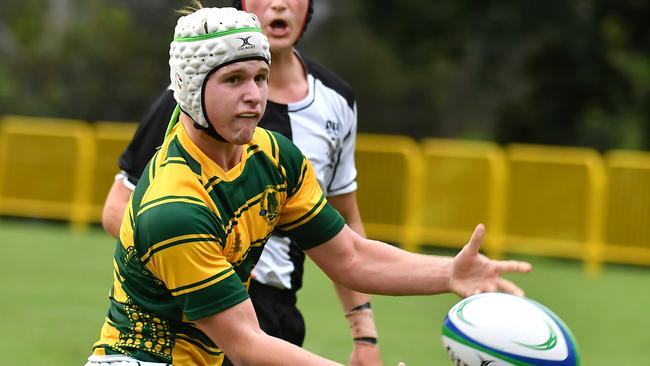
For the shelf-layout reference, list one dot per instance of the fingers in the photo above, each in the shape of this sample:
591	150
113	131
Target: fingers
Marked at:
499	285
509	287
477	238
513	266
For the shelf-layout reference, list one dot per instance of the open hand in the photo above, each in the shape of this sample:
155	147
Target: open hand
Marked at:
473	273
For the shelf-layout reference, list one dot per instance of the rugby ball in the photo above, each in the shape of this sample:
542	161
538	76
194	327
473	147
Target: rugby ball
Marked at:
497	329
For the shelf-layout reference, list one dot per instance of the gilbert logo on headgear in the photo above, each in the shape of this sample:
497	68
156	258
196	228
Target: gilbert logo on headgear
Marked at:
246	45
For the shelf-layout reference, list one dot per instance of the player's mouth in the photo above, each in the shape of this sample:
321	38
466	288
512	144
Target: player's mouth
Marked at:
248	115
278	28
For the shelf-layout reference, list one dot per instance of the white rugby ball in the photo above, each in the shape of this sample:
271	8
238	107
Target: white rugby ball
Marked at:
497	329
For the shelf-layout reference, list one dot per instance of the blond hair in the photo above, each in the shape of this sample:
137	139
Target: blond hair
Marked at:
191	8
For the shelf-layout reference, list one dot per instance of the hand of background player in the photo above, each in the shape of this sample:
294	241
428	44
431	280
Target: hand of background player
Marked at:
473	273
364	354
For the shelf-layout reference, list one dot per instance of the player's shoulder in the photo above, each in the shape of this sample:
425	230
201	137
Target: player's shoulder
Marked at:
330	80
172	172
273	142
277	147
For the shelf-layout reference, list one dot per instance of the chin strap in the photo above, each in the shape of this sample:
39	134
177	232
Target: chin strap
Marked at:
208	130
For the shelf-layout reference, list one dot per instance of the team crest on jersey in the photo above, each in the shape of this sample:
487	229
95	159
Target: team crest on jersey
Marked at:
269	204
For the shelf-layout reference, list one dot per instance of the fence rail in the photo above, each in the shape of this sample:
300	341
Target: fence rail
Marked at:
541	200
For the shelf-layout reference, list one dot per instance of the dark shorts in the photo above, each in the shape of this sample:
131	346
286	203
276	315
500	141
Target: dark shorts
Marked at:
277	312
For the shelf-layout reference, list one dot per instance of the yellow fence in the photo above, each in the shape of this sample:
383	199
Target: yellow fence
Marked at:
541	200
626	225
554	202
390	179
463	186
45	167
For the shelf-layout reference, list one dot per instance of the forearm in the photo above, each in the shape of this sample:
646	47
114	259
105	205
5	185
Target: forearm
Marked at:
374	267
381	268
350	298
346	205
237	332
356	305
269	351
114	207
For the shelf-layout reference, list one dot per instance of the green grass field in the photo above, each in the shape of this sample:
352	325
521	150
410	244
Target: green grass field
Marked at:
55	285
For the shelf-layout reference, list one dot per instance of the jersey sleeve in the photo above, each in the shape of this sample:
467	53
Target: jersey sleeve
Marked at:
344	177
148	137
306	216
181	242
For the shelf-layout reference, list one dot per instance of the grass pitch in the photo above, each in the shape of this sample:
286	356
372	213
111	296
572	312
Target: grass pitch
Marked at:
55	285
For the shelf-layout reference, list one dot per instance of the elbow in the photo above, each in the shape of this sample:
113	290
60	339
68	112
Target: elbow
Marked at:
350	272
242	356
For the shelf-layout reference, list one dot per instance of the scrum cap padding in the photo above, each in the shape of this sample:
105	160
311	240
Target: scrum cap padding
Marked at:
206	40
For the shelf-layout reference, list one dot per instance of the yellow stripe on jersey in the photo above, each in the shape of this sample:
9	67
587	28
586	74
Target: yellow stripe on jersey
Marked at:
267	143
317	209
117	271
152	165
213	351
173	160
212	184
188	352
303	173
171	241
169	200
201	285
189	266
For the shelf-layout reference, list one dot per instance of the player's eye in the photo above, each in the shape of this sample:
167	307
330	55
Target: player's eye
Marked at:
261	78
234	79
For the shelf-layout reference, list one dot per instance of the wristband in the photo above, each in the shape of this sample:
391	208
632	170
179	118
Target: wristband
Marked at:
369	340
361	323
365	305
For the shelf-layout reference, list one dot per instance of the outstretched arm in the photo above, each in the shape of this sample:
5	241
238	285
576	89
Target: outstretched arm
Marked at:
375	267
365	351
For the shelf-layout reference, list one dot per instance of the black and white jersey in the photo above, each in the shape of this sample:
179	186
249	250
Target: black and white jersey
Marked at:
323	125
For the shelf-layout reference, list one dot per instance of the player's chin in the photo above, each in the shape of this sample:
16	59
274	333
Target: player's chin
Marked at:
280	45
244	135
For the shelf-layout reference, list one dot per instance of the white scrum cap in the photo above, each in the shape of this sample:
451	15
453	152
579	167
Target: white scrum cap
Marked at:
206	40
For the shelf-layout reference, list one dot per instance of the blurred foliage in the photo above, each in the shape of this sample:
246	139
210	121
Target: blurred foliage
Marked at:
556	72
92	59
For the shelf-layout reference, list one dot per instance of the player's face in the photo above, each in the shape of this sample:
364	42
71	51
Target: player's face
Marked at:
235	99
282	20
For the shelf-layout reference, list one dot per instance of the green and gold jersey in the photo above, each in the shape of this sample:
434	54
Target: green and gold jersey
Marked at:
191	235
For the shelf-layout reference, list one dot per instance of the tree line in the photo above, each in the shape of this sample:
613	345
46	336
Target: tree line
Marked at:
571	72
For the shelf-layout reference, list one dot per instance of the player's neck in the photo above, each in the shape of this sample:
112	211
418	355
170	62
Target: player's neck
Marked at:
224	154
288	78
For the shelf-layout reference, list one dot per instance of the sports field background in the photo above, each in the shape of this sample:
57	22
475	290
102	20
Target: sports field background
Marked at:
55	283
